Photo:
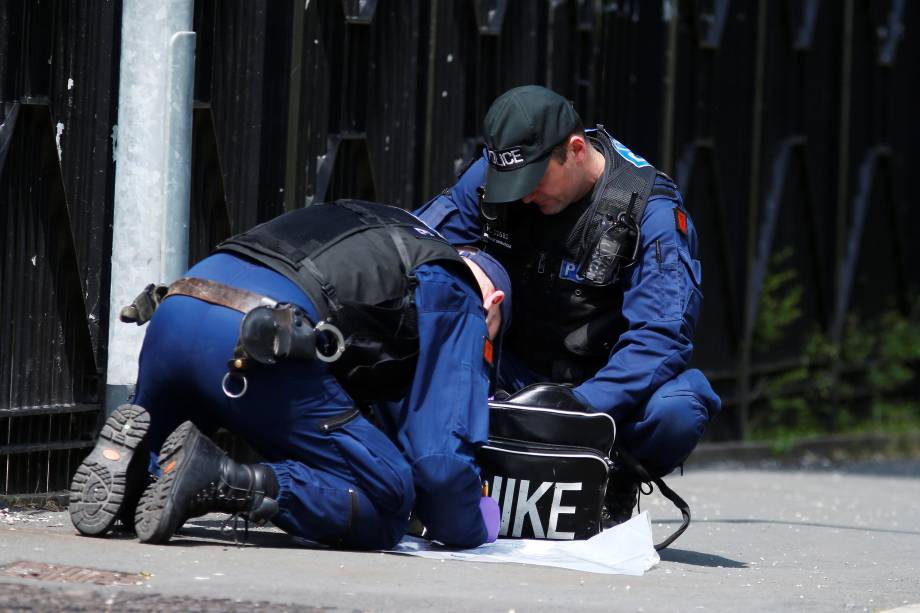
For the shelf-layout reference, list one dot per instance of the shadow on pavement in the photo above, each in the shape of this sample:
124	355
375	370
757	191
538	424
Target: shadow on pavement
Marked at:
200	532
695	558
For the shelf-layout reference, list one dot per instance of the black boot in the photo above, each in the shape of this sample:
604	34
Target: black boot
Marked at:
199	478
110	480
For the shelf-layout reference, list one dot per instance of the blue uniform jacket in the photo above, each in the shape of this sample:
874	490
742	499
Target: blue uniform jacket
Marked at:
661	302
439	425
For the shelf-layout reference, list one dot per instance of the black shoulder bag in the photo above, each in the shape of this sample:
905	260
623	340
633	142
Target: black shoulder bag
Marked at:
548	462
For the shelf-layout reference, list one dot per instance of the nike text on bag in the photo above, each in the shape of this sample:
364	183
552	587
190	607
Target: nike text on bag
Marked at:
545	489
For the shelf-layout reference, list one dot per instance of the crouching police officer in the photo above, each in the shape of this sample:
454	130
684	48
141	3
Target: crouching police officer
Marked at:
285	336
602	258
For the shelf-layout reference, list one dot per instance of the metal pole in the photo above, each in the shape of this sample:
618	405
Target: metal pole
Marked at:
180	101
152	171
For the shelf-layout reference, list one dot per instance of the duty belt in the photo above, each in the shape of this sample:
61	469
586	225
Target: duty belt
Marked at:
270	330
217	293
141	310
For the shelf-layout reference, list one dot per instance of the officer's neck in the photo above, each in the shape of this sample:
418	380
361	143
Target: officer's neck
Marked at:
594	165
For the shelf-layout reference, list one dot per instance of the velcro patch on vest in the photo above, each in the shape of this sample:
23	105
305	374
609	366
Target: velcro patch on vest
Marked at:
488	352
568	270
507	159
680	220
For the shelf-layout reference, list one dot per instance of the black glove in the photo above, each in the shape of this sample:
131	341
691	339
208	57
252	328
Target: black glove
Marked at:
548	396
141	310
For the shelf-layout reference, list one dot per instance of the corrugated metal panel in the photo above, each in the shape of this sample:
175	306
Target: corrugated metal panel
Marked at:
242	76
57	77
46	365
59	54
358	110
209	218
394	117
83	94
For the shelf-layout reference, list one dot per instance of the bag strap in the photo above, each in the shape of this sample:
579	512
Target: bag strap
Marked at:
666	491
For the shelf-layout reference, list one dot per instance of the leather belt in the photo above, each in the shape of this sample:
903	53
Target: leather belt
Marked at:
217	293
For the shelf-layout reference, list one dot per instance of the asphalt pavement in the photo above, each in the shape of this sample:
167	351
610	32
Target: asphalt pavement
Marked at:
764	538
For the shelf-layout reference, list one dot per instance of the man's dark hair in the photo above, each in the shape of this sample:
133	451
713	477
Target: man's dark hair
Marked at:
561	151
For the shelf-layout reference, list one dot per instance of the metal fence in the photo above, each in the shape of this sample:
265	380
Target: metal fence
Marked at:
788	125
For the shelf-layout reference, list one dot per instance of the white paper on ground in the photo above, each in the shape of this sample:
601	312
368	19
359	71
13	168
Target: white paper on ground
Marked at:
626	549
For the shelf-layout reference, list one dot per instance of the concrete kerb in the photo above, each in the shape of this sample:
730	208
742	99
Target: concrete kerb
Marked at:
810	451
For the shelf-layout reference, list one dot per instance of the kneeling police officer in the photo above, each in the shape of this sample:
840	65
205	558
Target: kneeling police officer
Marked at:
290	335
602	254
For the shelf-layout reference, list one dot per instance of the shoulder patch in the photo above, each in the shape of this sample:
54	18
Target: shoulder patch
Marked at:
680	220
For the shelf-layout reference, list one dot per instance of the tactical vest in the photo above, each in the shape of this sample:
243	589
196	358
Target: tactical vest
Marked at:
355	261
565	328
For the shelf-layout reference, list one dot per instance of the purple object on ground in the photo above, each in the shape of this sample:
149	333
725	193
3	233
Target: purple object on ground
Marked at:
491	517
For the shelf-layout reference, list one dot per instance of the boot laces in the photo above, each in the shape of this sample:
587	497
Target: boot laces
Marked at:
233	527
224	496
229	499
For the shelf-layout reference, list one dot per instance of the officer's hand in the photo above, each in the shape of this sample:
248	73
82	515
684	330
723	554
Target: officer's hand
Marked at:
491	517
548	396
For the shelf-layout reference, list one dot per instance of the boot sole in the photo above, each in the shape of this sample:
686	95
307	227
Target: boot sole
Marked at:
98	489
156	520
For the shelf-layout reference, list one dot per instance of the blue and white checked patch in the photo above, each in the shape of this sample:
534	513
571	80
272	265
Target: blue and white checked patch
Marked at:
636	160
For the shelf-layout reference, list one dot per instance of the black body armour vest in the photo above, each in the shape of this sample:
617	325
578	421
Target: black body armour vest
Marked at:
564	327
355	260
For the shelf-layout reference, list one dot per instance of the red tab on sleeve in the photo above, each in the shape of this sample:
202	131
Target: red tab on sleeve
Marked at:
680	219
487	352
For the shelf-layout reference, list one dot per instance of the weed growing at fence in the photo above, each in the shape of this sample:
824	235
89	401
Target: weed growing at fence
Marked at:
866	383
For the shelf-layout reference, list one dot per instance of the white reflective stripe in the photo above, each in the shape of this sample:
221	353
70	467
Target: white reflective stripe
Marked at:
546	455
527	407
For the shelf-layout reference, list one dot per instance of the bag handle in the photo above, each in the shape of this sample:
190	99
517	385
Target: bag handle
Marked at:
666	491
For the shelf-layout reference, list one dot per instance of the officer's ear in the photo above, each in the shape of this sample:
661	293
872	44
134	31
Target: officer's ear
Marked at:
578	147
493	315
493	299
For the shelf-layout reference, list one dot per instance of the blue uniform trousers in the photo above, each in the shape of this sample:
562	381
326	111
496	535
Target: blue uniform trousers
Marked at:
346	486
